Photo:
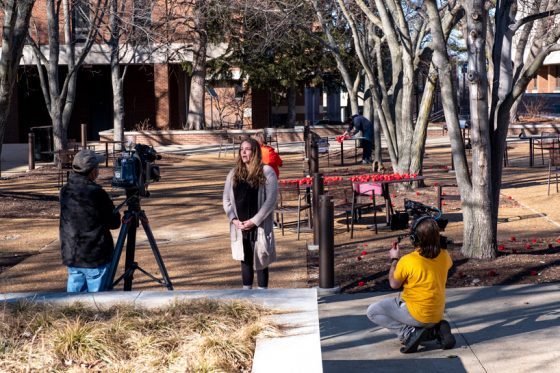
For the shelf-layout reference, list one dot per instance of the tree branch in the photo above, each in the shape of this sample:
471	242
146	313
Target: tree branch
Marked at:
533	17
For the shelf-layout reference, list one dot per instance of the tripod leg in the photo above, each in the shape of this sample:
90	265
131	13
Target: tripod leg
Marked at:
155	250
130	249
117	254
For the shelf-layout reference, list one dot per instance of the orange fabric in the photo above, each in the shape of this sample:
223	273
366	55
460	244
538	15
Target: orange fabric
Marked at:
271	158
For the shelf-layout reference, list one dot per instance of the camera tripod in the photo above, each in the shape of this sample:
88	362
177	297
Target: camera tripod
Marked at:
130	222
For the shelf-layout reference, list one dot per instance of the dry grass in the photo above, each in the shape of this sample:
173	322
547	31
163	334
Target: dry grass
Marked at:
188	336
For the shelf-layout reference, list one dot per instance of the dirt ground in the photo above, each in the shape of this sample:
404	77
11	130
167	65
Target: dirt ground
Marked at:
189	225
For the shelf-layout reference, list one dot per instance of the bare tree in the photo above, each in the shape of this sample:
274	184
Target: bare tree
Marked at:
490	106
392	43
16	16
80	21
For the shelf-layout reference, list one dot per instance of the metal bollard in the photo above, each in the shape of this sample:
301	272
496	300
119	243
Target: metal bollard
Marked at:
326	242
31	151
84	135
318	190
439	197
313	155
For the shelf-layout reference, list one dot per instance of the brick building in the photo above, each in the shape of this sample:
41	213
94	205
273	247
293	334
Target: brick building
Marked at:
156	93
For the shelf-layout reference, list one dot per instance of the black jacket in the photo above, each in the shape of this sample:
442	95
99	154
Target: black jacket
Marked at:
86	217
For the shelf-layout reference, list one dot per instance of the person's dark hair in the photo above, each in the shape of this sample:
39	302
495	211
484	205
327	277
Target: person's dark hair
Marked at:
253	172
428	241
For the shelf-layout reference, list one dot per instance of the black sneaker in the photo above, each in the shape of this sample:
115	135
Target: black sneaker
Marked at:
446	339
411	344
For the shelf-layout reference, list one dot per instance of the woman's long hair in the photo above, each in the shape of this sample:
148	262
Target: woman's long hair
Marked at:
252	172
427	233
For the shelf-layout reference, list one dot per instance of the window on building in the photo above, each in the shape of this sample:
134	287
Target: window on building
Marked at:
80	20
535	86
239	92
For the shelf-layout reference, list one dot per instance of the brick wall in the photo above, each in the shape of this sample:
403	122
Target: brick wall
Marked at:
161	92
214	137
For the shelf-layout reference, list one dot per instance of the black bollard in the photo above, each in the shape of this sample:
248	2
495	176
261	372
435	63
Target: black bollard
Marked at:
31	151
313	154
326	242
439	197
318	190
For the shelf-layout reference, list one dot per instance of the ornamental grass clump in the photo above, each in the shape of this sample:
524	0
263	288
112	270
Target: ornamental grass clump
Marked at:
189	336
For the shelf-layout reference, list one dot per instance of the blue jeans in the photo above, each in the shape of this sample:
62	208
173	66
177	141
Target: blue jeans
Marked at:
86	280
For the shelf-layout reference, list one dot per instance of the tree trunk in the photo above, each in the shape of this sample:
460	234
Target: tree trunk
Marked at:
196	116
117	78
118	104
476	191
14	33
421	127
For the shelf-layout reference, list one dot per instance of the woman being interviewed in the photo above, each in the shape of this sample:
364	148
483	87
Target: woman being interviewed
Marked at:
249	200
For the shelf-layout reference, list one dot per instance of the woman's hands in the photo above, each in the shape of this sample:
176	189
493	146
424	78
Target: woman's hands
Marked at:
243	225
395	251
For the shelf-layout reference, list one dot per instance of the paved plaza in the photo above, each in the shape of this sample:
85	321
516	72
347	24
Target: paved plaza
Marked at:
505	328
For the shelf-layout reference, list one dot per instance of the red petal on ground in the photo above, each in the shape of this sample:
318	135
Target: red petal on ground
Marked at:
501	247
528	246
512	238
364	252
492	273
361	283
534	273
359	258
534	240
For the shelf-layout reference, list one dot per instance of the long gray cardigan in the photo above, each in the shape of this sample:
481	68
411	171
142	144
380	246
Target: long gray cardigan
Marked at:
265	248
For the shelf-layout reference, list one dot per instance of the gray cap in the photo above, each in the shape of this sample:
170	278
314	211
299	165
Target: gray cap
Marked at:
85	161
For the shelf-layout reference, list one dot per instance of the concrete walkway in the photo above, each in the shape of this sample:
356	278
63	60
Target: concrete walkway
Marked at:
498	329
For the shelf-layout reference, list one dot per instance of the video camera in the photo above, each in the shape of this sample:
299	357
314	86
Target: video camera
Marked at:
417	209
135	169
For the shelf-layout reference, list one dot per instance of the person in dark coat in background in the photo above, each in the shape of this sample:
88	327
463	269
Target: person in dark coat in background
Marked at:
358	123
86	217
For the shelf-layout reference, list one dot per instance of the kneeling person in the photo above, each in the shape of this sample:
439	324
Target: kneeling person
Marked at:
86	218
416	315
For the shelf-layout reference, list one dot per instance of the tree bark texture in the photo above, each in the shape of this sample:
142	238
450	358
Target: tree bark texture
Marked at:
196	115
14	32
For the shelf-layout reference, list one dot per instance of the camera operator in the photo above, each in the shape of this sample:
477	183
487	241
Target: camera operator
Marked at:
86	218
416	315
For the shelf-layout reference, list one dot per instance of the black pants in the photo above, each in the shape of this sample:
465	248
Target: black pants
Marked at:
247	270
367	148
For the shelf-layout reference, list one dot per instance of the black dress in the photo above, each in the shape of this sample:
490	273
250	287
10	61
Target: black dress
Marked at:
247	206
